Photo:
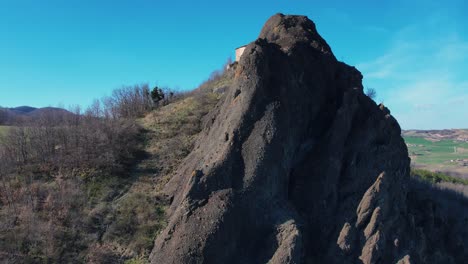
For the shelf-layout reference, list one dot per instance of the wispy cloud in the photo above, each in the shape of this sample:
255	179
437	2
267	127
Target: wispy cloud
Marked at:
422	77
375	29
424	107
388	64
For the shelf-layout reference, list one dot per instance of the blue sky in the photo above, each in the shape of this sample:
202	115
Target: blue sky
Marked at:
414	53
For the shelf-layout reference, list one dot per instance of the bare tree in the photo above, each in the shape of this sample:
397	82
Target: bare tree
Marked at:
3	116
371	93
128	102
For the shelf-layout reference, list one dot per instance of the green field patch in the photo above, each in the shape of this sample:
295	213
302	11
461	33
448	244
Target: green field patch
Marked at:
446	152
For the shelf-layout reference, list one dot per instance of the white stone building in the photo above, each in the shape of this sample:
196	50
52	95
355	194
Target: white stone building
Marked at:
239	52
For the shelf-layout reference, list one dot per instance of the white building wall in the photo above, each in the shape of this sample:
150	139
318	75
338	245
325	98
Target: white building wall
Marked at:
239	52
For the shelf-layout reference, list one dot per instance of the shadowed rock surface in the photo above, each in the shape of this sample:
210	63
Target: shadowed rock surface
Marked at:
297	165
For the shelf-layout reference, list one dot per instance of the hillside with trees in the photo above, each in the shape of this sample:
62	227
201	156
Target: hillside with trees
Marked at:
82	186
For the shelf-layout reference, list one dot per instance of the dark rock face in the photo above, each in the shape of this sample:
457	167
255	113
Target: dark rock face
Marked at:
296	165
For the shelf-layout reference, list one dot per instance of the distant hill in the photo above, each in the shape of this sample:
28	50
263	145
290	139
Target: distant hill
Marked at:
47	110
22	109
10	116
437	135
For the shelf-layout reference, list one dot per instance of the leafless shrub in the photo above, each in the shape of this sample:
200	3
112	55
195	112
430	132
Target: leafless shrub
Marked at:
68	142
371	93
125	102
3	116
43	219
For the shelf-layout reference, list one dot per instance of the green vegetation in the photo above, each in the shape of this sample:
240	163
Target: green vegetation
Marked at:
436	177
438	161
157	94
445	152
137	220
137	260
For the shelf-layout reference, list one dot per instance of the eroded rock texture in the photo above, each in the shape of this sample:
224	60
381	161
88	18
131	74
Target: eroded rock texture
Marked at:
295	165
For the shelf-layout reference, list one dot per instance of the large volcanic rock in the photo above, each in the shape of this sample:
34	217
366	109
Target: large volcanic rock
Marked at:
296	165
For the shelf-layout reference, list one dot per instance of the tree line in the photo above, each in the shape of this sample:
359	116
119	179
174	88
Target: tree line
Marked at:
49	164
102	136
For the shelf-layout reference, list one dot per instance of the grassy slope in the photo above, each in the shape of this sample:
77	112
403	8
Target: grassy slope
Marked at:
170	134
117	219
3	130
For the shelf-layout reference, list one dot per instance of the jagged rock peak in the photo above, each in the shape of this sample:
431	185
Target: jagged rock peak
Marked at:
290	30
296	165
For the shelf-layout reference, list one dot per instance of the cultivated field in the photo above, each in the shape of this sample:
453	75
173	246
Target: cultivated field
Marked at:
446	155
